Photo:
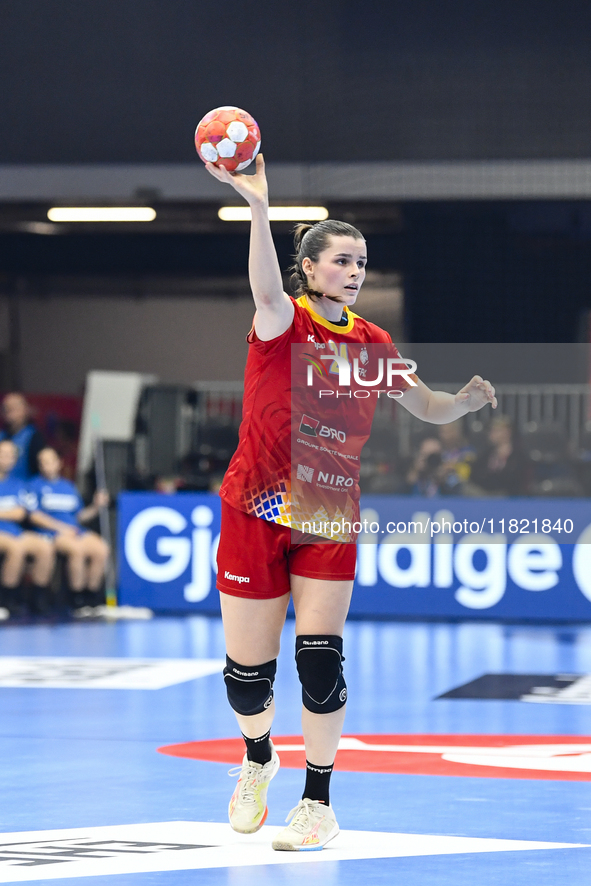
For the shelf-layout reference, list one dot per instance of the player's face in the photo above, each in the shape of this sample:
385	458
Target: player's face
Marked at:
49	463
8	455
340	269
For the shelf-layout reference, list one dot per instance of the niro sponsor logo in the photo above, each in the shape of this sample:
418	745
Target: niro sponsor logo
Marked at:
335	480
305	473
238	578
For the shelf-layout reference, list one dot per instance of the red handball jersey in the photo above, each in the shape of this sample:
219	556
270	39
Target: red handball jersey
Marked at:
298	456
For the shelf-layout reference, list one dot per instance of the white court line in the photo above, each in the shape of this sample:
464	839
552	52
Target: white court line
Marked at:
53	672
193	845
554	757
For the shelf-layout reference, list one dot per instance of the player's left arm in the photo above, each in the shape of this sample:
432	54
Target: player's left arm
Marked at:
439	407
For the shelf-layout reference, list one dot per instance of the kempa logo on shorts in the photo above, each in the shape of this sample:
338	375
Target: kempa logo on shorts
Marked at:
238	578
343	695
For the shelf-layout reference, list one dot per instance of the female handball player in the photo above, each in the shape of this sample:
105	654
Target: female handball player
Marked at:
261	561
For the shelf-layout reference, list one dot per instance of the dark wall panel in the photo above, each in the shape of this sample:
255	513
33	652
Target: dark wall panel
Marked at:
473	272
127	80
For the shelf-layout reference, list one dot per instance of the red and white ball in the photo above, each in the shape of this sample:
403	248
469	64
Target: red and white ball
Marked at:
229	137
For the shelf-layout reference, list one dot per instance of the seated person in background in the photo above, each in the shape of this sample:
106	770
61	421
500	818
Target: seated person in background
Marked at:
423	476
59	511
457	458
502	469
27	438
17	544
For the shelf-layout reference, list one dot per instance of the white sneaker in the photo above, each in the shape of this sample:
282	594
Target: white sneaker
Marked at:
248	806
313	824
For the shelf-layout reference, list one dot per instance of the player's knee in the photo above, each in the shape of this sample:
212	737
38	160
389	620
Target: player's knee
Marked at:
318	660
250	689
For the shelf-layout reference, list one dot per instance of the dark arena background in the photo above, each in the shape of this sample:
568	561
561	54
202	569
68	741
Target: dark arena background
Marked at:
457	137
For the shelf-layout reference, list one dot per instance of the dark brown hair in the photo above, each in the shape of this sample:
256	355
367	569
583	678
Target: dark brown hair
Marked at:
309	242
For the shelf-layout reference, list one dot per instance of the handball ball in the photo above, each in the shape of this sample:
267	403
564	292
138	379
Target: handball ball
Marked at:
228	137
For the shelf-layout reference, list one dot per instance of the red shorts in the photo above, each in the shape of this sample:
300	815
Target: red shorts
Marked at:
255	557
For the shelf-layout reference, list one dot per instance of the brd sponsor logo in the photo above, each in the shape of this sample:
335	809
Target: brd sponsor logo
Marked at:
310	425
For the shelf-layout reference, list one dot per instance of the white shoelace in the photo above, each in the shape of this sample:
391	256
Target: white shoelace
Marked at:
302	815
250	776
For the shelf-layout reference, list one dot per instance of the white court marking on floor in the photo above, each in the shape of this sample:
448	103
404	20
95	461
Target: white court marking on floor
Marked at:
51	672
193	845
543	757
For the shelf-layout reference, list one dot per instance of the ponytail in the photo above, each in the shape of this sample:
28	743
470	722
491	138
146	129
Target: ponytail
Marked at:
299	232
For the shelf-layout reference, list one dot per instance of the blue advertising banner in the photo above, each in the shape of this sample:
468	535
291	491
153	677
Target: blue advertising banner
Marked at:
435	557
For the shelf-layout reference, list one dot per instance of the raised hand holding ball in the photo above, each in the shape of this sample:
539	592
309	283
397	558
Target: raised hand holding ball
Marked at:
228	137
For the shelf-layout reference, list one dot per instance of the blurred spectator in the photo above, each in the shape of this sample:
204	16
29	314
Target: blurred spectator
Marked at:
167	485
423	475
16	544
502	468
19	428
58	511
457	458
215	482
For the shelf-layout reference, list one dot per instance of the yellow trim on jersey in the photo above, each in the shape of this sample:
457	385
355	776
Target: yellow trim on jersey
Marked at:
334	327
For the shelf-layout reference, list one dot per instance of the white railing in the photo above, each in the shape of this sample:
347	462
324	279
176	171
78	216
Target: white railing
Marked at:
564	405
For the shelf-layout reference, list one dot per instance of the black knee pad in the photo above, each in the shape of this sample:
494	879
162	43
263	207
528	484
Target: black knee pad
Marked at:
250	689
318	659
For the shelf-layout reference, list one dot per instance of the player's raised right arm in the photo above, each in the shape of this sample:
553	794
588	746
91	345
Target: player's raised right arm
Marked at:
274	309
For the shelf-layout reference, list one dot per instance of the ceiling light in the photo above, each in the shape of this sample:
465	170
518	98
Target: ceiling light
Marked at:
276	213
101	214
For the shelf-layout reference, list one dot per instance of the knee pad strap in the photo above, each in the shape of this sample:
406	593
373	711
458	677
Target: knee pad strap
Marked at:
250	689
318	660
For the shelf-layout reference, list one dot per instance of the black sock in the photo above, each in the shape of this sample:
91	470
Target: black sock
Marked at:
258	750
317	782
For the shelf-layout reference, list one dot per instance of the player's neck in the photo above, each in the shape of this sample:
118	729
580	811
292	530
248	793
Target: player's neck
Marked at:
330	310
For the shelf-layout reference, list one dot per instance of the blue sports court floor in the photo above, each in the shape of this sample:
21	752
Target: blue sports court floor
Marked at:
454	791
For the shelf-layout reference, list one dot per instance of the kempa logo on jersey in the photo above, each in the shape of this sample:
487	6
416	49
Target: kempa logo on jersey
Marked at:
310	425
